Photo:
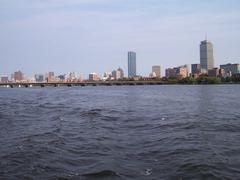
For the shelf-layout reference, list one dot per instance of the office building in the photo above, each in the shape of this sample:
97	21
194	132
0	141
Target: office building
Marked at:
231	68
50	77
132	66
62	77
177	72
171	72
72	77
182	71
156	70
93	77
206	56
39	77
196	69
213	72
121	73
17	76
4	79
216	72
116	74
107	76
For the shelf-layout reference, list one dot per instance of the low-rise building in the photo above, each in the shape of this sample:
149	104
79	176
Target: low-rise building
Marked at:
121	72
4	79
107	76
18	76
196	69
171	72
152	75
93	77
182	71
213	72
237	76
178	72
39	77
50	77
231	68
216	72
116	74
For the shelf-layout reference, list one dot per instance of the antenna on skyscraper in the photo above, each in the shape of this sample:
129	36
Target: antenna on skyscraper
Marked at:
206	36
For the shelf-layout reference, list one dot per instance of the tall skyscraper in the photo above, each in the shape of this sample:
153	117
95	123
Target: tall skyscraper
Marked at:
132	66
157	71
206	56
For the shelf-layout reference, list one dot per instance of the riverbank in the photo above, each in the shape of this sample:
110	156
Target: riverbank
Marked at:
113	83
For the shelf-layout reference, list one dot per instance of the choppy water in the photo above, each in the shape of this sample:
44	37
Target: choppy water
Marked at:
137	132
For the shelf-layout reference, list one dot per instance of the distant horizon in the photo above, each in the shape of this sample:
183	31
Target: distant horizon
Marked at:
94	36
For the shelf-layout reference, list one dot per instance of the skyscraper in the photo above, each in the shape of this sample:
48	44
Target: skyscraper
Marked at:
132	64
206	56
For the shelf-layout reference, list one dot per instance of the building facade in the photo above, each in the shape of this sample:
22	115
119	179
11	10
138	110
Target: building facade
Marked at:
157	71
50	77
93	77
171	72
4	79
132	64
231	68
196	69
206	56
213	72
121	72
17	76
177	72
116	74
39	77
216	72
182	71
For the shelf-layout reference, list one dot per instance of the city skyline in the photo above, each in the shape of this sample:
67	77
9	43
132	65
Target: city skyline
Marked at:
85	36
205	66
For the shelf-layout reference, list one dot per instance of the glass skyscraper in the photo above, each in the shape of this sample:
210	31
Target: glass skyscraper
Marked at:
132	66
206	56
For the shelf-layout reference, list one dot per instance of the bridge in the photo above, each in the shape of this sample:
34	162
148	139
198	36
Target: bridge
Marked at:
84	83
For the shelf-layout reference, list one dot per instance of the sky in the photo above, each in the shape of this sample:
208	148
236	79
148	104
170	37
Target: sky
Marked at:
84	36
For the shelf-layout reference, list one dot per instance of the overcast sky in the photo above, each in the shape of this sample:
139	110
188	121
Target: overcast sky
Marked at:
86	36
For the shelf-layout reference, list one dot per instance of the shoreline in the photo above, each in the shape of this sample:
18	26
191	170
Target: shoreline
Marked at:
105	83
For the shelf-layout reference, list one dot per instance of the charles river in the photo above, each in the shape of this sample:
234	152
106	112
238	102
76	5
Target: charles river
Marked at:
120	132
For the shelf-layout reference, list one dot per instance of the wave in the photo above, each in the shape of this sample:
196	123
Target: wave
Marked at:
102	174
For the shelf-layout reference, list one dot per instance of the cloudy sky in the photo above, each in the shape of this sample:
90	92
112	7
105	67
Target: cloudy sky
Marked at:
86	36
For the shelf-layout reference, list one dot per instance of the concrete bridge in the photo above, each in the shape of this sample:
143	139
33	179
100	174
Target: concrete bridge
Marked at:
86	83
